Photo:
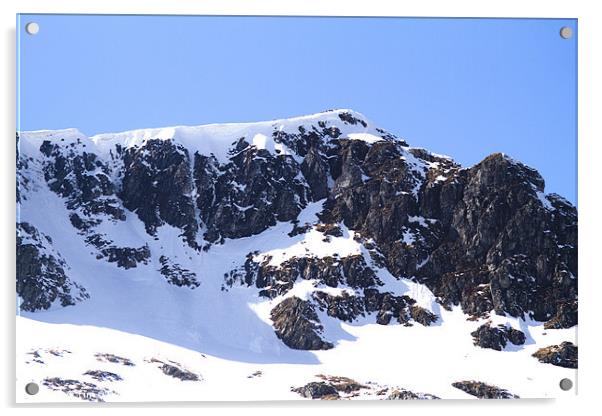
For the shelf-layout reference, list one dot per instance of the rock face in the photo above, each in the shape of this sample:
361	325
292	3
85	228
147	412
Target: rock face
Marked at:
484	391
486	237
42	273
563	355
157	185
295	324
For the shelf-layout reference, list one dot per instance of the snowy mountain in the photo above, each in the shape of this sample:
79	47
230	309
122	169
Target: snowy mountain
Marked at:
317	256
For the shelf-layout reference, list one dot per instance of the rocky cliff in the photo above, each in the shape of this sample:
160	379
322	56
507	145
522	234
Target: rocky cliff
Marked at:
362	209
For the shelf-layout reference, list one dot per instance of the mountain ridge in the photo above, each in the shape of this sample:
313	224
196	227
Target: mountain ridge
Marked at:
287	233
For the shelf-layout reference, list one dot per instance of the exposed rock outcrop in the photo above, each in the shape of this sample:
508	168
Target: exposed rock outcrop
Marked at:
297	325
42	273
563	355
75	388
486	238
498	337
402	394
484	391
317	390
176	274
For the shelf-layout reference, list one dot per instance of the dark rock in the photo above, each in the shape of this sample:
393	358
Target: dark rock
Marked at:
349	118
175	370
115	359
82	179
563	355
515	336
315	171
251	193
565	317
330	229
345	307
126	257
402	394
273	281
496	338
177	275
344	385
484	391
75	388
486	237
317	390
41	275
422	316
157	185
102	375
297	325
388	306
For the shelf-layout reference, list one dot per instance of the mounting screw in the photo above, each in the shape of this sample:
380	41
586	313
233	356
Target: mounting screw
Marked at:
32	28
566	32
566	384
32	389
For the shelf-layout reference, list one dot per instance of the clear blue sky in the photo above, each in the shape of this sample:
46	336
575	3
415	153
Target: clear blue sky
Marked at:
462	87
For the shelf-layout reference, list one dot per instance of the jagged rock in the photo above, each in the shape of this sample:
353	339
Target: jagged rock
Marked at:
345	307
317	390
80	389
102	375
422	316
315	171
497	338
402	394
82	179
177	275
388	306
249	194
297	325
486	238
349	118
330	229
565	317
41	275
126	257
563	355
484	391
176	370
157	185
273	281
344	385
38	354
115	359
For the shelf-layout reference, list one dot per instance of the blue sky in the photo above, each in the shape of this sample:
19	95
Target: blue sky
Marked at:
462	87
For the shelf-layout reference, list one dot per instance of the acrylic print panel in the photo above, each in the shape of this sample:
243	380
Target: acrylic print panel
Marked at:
297	234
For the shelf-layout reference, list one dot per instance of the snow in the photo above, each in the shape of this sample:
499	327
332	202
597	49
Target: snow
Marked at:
408	237
426	359
544	201
225	334
365	137
211	139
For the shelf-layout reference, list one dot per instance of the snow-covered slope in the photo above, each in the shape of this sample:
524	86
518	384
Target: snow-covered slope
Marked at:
285	249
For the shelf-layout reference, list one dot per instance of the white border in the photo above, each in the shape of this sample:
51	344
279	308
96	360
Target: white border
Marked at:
590	179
